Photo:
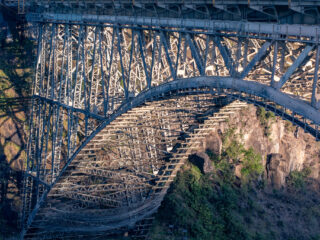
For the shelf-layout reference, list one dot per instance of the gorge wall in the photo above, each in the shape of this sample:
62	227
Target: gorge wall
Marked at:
256	177
284	148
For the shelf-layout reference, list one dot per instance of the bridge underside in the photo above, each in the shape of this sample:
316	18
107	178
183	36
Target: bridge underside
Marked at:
122	174
104	84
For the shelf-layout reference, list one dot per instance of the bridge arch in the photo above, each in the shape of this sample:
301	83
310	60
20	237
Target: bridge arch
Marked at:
252	92
89	67
214	83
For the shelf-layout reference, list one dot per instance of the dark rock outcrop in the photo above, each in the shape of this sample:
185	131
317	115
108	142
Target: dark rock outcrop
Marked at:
283	149
202	161
214	143
275	169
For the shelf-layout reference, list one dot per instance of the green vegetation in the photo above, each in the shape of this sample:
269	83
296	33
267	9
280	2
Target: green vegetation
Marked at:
199	209
234	152
266	119
297	179
221	206
289	126
265	116
206	206
251	165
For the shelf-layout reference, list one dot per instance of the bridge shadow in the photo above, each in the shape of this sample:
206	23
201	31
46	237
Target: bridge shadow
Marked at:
16	63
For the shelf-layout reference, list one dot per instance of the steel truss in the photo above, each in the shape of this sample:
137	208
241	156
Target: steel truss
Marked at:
91	144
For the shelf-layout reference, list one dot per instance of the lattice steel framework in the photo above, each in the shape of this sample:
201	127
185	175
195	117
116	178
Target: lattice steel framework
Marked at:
93	71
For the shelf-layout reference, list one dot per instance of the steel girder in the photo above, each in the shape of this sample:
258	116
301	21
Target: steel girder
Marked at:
273	30
87	75
285	11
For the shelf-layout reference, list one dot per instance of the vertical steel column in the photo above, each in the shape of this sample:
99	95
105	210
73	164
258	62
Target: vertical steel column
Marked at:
274	64
315	79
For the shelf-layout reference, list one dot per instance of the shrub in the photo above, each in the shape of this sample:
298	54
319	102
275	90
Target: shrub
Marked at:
229	134
213	157
195	172
234	150
206	211
266	118
251	165
297	179
289	126
226	171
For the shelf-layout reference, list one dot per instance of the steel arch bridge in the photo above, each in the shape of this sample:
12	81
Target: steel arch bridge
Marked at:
119	100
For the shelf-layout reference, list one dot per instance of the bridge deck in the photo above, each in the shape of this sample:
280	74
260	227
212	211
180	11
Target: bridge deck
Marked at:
284	11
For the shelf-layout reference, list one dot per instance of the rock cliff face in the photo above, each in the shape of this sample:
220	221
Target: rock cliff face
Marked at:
283	147
229	207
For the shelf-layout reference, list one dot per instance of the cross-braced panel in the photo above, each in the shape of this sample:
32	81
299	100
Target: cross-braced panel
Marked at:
94	68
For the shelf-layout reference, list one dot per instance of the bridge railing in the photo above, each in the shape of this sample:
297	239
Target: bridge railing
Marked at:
284	11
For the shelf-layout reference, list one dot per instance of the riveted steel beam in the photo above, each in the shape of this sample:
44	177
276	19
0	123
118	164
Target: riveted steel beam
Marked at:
302	57
257	58
216	25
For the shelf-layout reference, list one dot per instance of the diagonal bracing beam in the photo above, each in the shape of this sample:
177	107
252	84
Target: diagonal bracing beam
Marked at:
196	55
67	107
302	57
257	58
123	72
225	54
166	47
142	52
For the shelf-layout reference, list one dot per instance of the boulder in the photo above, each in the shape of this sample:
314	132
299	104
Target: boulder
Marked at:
276	171
214	143
202	161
